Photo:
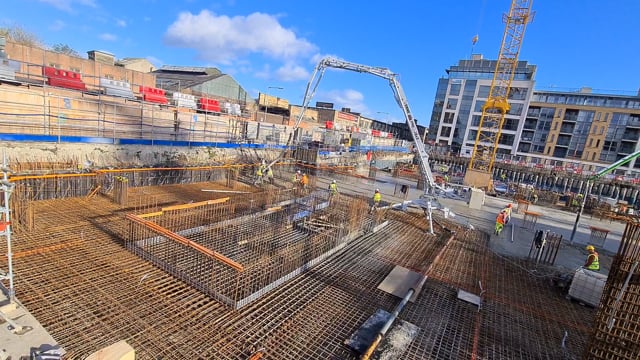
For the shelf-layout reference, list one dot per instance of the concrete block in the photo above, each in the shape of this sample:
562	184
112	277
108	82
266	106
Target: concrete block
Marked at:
477	199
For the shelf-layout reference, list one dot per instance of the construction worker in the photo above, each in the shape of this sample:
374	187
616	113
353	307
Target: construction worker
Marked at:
500	221
269	175
259	173
295	179
507	213
304	182
333	188
593	261
377	197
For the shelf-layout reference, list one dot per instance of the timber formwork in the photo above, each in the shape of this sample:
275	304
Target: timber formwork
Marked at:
76	276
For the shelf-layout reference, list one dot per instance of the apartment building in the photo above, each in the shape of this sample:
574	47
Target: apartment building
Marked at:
458	105
577	129
581	130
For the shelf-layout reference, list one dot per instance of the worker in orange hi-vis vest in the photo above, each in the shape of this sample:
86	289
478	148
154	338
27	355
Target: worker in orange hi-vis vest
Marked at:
500	221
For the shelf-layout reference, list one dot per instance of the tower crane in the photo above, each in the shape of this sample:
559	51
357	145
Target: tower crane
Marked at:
495	109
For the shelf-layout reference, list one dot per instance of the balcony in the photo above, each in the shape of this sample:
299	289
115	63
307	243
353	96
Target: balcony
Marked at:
630	137
633	122
567	129
626	150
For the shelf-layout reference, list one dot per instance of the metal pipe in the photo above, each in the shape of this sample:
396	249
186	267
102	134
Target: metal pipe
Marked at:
387	325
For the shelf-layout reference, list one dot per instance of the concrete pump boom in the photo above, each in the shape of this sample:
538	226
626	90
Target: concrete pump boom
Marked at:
425	170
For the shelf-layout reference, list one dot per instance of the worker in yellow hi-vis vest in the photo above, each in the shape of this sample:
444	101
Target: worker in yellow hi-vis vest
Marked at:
593	261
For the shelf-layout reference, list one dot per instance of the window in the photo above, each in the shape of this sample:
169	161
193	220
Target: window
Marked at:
445	131
598	116
552	138
454	89
555	126
516	109
598	143
448	117
109	76
606	116
593	156
591	142
517	93
601	130
483	92
452	104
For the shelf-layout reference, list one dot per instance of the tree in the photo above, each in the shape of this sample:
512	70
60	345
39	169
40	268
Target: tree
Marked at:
21	36
64	49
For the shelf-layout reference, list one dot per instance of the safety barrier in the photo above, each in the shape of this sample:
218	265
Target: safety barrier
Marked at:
63	78
153	95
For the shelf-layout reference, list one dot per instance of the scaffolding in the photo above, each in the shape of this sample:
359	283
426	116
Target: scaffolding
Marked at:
6	188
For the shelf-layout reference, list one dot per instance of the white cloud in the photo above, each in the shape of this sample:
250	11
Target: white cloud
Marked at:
57	25
219	38
121	23
315	59
69	5
108	37
291	72
348	98
264	73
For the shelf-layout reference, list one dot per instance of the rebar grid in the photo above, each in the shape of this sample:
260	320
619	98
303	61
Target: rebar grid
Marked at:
236	259
617	325
74	275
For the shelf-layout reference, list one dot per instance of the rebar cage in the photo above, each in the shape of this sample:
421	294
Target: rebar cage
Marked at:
238	249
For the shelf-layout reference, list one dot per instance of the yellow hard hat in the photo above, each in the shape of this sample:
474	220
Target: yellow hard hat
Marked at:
589	248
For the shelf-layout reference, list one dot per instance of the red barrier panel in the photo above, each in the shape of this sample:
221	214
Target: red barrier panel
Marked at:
63	78
211	105
153	95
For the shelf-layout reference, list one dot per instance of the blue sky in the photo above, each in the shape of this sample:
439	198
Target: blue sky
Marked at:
266	44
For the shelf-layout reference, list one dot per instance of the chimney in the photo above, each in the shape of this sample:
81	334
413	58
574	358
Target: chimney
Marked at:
102	57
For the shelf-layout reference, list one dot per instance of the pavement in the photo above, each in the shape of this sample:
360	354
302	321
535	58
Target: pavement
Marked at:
21	334
515	241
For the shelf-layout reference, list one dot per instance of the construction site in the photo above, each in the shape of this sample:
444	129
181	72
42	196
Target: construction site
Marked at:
220	269
115	248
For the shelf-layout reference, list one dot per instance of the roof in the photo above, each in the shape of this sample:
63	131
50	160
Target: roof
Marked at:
175	81
189	69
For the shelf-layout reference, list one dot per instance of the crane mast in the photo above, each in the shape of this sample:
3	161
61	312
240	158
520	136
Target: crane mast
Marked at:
497	106
425	170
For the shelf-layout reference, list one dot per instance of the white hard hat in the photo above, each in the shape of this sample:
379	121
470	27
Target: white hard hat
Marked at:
333	181
377	190
298	171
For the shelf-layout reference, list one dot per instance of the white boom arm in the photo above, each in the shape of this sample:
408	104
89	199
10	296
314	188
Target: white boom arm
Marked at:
425	170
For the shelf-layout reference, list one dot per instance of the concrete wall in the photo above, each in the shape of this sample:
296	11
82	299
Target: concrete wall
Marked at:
105	156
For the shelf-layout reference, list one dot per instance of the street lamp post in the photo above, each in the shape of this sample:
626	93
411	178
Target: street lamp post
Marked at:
386	118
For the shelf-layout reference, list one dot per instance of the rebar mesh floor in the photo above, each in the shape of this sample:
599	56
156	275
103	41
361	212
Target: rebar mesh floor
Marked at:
75	276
